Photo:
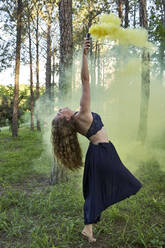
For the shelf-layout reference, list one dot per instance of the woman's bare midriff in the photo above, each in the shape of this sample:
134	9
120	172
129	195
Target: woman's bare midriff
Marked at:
99	137
83	124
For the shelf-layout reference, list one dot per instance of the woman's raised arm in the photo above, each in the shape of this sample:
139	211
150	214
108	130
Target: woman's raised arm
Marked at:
85	98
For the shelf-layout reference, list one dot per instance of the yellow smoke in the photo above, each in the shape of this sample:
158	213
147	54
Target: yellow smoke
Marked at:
110	28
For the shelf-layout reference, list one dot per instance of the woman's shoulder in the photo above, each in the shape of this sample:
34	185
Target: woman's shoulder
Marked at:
86	115
83	116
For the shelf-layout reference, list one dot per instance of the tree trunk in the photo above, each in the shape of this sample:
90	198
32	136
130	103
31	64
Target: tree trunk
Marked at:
58	173
94	64
37	68
134	14
66	45
120	10
163	2
143	14
74	69
162	43
126	13
103	72
17	70
48	61
145	80
98	65
91	63
53	72
54	179
161	58
31	76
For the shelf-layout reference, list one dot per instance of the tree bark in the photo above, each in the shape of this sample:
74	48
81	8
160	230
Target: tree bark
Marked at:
98	65
66	45
37	68
94	64
48	61
163	2
162	43
145	79
161	58
58	174
53	74
120	10
143	14
134	14
17	70
31	76
103	72
126	13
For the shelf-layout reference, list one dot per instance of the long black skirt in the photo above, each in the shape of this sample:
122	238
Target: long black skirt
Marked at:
105	181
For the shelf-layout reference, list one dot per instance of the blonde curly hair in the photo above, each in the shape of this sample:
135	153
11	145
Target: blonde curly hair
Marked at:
65	143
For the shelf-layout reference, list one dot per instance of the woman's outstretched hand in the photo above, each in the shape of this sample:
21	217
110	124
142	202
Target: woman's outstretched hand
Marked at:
86	46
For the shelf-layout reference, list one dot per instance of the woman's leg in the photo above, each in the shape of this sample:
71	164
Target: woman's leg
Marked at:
88	232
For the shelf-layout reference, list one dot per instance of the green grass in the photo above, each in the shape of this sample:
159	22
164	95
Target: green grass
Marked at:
34	214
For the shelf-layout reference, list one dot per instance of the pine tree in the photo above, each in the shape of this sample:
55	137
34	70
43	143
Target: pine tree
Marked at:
145	78
17	69
66	44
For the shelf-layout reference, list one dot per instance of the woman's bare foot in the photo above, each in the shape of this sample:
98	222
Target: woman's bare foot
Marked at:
87	232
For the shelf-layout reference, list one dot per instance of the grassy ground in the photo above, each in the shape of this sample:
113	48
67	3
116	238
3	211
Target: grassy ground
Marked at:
34	214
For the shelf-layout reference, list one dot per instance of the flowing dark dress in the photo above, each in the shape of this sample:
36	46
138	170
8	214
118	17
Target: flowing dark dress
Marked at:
106	180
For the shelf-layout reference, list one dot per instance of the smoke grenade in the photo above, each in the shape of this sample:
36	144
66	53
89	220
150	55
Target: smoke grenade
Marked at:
88	36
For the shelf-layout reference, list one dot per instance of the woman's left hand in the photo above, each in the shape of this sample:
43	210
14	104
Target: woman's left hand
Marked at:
86	46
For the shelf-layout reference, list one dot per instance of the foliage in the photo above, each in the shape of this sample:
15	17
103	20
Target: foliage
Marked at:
6	103
7	34
5	55
6	106
85	13
156	27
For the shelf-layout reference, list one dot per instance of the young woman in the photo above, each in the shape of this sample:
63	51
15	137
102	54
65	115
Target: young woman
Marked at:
106	180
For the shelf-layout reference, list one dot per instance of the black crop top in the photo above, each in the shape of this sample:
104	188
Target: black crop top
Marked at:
95	126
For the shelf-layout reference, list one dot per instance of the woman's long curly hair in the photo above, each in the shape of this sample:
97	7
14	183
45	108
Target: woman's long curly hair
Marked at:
65	143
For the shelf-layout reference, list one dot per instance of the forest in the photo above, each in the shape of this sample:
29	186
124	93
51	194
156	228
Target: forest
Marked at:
41	203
